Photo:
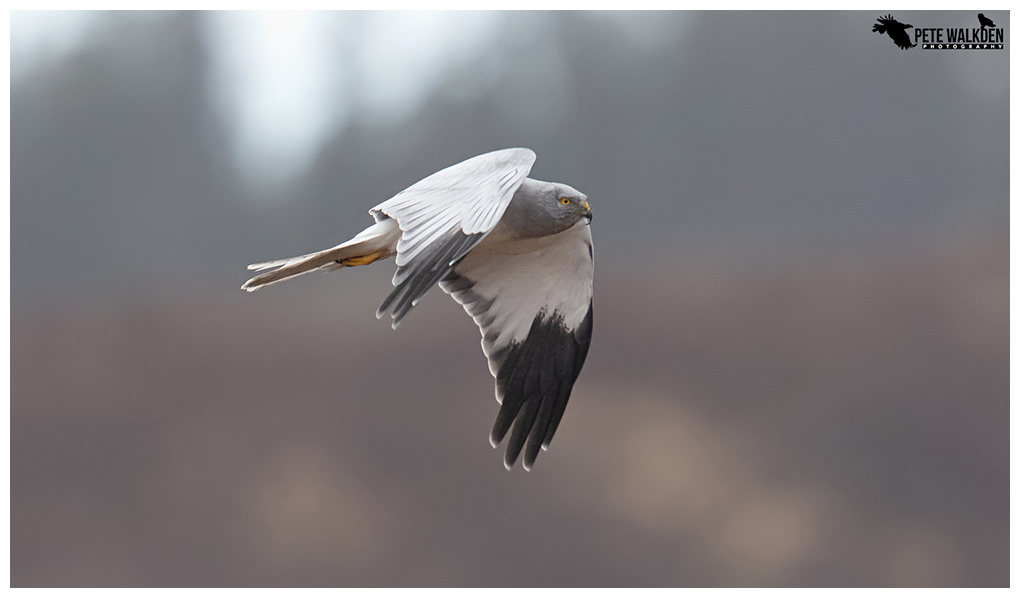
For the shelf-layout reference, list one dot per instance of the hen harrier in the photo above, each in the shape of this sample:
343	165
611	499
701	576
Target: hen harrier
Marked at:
515	252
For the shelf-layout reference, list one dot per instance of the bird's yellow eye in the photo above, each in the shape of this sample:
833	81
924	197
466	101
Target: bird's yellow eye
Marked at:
565	200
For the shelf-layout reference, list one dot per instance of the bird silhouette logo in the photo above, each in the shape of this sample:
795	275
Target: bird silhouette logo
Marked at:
985	21
895	30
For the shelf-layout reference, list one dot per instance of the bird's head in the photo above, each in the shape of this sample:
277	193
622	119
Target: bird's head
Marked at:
569	204
540	209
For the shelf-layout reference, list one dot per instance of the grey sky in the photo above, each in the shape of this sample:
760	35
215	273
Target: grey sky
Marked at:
283	82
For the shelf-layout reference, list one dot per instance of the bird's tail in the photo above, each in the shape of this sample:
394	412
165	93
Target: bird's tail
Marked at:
376	242
878	28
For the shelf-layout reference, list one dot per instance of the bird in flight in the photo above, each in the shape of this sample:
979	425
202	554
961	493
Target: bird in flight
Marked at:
985	21
895	30
515	252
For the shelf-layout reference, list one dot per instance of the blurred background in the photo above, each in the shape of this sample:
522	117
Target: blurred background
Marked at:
799	370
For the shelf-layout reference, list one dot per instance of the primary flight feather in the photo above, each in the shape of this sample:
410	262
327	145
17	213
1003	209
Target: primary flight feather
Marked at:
515	252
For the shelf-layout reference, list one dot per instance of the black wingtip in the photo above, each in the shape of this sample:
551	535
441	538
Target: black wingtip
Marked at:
504	419
535	378
509	461
529	458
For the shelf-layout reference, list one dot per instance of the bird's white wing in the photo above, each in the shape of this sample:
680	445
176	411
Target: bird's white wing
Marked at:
443	216
531	298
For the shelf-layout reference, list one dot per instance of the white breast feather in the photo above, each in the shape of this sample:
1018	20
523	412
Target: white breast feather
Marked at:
527	277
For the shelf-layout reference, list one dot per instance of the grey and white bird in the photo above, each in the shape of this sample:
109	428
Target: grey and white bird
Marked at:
515	252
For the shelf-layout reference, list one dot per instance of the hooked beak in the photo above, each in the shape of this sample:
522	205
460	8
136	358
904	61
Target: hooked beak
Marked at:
587	212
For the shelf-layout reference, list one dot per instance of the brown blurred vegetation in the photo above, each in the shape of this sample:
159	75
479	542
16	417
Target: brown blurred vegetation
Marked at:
828	424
